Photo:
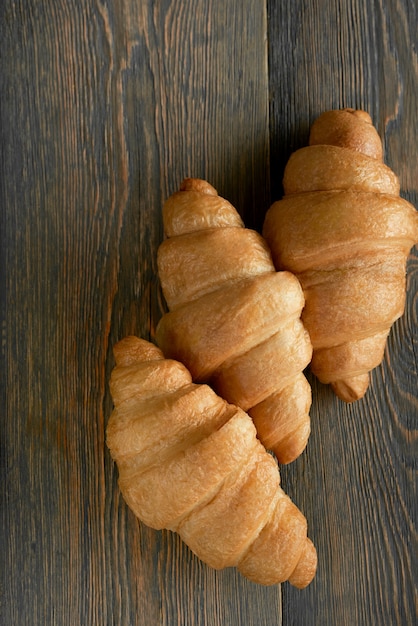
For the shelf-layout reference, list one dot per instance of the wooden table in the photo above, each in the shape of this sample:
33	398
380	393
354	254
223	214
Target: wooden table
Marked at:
105	107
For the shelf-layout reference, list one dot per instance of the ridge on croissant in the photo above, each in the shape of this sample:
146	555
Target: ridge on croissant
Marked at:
191	463
344	231
233	320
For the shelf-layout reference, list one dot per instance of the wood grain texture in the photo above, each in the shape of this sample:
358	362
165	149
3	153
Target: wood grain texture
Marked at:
105	107
357	481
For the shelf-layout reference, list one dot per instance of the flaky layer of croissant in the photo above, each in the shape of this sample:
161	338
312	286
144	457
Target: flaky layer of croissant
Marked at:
190	462
234	321
343	230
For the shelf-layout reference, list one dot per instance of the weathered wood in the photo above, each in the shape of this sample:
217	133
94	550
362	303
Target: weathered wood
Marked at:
357	482
105	107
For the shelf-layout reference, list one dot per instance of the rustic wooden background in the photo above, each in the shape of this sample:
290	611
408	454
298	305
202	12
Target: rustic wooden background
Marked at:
105	107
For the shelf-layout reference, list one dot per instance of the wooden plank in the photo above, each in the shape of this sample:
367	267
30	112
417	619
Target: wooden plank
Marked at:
105	108
357	481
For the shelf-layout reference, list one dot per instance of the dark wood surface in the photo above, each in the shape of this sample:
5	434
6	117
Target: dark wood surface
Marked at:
105	107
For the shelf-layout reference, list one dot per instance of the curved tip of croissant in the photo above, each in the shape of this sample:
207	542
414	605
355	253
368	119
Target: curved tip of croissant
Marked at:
349	128
351	389
363	115
132	349
305	570
291	447
198	184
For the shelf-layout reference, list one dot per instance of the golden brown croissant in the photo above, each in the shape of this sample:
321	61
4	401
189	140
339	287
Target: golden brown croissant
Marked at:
234	321
345	232
190	462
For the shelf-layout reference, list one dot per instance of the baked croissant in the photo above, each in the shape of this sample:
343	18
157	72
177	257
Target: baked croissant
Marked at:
345	232
190	462
234	321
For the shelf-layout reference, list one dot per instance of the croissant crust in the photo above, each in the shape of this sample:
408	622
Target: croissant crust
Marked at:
190	462
233	320
344	231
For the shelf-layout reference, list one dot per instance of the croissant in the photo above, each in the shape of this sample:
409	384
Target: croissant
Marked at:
191	463
234	321
343	230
